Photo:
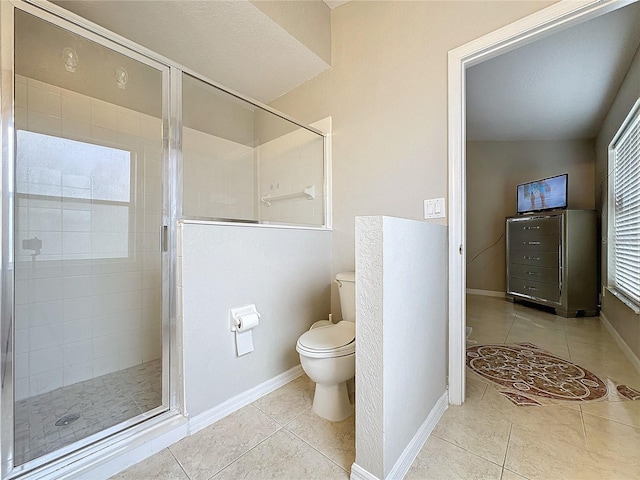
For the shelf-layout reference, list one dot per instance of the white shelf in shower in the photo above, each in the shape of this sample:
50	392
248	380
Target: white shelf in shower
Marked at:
309	193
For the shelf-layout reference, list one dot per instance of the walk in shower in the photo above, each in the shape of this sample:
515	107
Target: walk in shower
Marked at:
106	148
84	229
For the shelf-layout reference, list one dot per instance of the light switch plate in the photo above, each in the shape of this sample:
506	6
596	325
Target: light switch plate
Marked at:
434	208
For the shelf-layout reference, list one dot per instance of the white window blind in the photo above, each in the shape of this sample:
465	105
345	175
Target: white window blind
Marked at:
626	196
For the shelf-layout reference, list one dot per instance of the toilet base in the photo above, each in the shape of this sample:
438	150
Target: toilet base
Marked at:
331	402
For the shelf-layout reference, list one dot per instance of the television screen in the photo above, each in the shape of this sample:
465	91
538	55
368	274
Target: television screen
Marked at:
545	194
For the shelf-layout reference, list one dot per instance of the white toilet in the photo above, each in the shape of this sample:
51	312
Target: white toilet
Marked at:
328	355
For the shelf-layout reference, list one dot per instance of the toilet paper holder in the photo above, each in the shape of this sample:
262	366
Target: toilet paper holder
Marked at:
236	315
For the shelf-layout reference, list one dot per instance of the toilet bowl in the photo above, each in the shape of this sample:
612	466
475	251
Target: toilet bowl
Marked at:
327	355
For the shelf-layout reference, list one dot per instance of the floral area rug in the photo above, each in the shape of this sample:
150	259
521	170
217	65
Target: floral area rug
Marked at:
524	371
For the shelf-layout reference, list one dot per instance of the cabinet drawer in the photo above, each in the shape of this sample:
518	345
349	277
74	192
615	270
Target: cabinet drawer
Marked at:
539	226
541	259
538	290
535	243
534	273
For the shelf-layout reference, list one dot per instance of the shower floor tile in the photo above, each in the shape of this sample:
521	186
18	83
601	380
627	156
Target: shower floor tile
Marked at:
99	403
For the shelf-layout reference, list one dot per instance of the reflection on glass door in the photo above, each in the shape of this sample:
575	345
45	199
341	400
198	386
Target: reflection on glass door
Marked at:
88	211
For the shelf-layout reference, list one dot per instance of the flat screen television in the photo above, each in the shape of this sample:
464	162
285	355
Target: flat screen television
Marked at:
545	194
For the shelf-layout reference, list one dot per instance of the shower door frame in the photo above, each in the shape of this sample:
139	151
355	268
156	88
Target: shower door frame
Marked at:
144	427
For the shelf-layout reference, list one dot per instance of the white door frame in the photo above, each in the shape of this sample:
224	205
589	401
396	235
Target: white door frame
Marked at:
550	20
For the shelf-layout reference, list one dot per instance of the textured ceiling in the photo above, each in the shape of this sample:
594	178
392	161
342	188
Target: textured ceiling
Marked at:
39	46
559	87
230	42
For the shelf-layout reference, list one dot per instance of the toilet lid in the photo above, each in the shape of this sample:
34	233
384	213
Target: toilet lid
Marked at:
331	337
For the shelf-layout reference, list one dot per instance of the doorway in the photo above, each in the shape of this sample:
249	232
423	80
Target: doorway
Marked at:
549	20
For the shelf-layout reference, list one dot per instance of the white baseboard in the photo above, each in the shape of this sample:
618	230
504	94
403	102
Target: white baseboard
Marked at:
485	293
359	473
621	343
410	453
208	417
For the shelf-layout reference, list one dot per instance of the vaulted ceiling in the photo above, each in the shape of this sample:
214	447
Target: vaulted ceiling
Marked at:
559	87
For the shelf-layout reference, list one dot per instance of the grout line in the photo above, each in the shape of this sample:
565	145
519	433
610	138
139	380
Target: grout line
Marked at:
253	404
484	392
584	429
466	450
281	424
506	450
245	453
284	425
513	320
178	462
316	449
569	350
617	422
512	471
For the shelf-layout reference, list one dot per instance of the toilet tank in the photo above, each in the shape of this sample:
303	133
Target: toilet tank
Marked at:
347	291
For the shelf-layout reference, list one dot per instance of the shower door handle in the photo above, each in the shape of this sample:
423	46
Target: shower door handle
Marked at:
164	238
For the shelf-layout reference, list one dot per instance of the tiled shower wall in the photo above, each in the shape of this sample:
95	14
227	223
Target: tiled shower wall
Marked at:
288	165
85	308
219	177
225	180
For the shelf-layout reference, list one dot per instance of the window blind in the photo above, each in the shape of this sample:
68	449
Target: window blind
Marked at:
627	211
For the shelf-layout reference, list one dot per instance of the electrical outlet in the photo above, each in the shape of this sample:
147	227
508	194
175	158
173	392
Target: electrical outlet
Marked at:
434	208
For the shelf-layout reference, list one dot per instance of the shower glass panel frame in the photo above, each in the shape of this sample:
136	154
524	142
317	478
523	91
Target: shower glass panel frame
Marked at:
243	162
166	236
169	419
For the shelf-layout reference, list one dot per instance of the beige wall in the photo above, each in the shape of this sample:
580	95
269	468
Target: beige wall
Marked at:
623	319
387	95
215	112
308	21
494	169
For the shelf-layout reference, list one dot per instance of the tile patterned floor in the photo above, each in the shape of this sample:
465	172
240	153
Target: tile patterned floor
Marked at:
276	437
279	437
522	372
101	403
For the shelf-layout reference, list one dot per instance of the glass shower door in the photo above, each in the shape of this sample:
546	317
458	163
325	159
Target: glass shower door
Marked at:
88	209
